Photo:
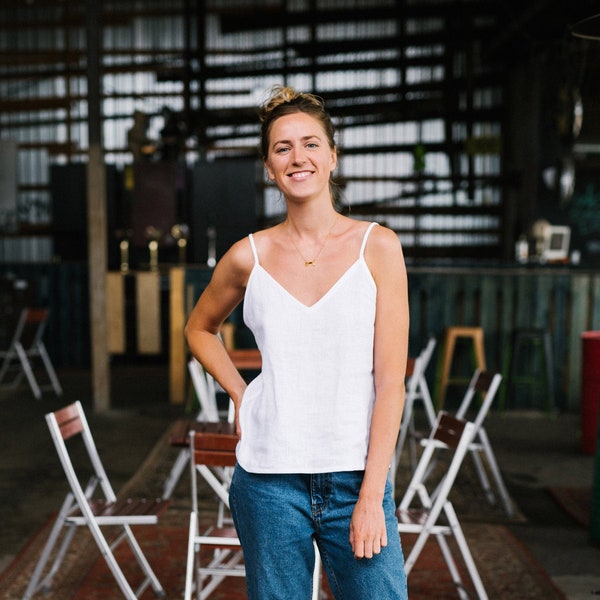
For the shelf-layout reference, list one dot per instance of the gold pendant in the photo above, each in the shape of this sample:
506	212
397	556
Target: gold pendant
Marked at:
310	263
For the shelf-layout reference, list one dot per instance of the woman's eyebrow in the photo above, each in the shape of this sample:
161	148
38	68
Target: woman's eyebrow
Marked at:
302	139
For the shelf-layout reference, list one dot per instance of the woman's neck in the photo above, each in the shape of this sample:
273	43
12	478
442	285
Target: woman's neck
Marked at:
311	221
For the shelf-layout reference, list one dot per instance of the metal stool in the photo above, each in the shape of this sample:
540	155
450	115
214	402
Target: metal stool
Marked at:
475	334
531	339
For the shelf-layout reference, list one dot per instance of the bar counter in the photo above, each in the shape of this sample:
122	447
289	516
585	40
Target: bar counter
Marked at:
496	296
501	298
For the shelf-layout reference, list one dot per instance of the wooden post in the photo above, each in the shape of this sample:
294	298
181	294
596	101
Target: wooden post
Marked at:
177	347
96	215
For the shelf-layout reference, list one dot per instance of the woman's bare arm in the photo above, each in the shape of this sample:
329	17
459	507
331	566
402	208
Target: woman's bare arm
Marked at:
224	292
386	261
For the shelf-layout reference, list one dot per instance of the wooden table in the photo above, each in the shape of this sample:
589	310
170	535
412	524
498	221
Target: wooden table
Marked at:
219	434
246	359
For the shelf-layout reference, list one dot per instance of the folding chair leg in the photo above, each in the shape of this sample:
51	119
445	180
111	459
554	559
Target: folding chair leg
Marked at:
412	445
428	403
190	562
491	459
316	587
451	564
5	364
50	369
111	561
59	524
415	551
466	553
483	478
176	470
144	564
114	568
28	371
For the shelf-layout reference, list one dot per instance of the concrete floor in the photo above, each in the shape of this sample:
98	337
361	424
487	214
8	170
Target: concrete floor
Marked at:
534	451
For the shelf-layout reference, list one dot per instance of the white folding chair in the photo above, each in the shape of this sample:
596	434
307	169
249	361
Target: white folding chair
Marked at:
94	507
205	389
434	514
487	384
25	347
416	390
212	452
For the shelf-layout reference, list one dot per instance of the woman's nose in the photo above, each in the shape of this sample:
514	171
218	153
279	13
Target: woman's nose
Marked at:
298	156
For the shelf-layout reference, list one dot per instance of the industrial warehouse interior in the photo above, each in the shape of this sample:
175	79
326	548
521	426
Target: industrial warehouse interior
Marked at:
129	164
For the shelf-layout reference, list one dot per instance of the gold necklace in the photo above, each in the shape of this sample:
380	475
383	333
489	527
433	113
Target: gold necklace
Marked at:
313	262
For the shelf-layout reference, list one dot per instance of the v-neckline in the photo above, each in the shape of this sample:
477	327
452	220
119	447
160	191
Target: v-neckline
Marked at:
335	284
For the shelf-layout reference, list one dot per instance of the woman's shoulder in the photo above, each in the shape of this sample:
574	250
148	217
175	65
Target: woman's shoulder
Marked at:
241	253
383	245
239	258
378	235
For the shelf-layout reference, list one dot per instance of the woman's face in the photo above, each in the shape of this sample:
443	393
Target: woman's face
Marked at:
300	160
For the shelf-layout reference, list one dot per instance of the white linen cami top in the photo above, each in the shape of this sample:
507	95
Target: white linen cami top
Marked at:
309	411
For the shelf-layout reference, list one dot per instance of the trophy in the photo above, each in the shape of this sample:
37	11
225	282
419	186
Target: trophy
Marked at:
153	235
124	235
181	233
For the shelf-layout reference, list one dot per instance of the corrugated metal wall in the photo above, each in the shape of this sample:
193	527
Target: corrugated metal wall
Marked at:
399	165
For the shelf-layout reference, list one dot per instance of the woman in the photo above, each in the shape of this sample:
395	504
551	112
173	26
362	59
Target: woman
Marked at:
326	298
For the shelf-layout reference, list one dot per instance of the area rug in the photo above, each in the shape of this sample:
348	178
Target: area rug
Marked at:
575	501
507	568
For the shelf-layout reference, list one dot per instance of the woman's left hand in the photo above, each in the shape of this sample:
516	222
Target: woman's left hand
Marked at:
368	534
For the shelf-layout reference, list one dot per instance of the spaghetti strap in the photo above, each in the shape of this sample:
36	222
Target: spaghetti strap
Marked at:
251	238
364	242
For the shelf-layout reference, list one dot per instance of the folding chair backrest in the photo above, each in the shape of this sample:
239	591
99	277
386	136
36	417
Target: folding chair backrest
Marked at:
486	384
449	430
205	388
30	327
413	372
212	449
427	352
64	424
453	433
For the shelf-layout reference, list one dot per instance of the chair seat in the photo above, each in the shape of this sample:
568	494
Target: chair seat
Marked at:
127	510
220	537
412	516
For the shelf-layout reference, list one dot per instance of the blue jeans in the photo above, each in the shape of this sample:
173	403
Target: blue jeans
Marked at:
277	517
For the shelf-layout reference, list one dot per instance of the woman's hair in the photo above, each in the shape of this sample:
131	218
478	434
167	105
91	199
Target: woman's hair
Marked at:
287	101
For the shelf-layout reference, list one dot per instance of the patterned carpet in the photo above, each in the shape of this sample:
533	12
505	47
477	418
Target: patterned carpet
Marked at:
507	568
575	501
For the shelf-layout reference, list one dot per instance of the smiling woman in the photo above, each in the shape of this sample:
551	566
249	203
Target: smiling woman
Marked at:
318	426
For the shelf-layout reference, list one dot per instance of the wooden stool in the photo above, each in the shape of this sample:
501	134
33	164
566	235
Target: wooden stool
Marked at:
532	339
475	334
